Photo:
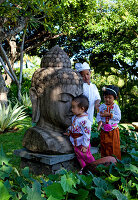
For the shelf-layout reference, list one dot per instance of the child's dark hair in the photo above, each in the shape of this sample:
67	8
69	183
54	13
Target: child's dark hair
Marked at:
111	90
82	101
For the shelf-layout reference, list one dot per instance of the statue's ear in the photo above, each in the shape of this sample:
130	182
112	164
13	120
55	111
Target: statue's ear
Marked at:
35	104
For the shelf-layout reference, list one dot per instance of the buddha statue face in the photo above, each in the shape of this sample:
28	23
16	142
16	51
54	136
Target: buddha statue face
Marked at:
51	94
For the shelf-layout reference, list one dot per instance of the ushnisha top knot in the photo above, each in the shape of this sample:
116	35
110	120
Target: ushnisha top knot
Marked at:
81	67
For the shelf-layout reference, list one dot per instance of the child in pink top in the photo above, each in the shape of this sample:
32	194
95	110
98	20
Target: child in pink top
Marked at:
80	131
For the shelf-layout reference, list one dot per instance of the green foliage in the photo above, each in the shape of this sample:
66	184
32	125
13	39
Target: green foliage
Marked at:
26	102
114	182
95	135
12	140
128	139
10	117
13	92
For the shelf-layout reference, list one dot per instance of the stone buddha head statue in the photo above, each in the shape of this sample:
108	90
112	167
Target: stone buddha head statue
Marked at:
53	87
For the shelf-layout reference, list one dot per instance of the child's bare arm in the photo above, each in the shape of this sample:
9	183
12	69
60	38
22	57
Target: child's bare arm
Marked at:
97	104
66	133
84	149
99	125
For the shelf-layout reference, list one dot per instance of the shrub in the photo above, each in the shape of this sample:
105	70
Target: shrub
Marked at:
10	117
95	134
26	102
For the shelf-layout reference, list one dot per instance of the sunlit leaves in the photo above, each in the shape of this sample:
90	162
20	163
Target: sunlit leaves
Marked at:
55	190
4	194
9	117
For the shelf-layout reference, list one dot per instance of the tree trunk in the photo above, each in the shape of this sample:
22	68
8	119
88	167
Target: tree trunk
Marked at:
21	64
3	91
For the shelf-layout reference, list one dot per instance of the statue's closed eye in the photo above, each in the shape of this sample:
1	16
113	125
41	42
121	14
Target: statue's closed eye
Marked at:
65	97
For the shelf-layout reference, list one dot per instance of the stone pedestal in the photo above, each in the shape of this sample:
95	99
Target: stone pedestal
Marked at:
48	164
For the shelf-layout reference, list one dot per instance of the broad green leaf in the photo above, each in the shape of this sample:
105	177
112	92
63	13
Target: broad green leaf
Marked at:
82	194
67	183
73	191
3	158
118	195
5	171
25	172
85	180
112	178
100	183
51	198
4	194
33	193
55	190
132	168
102	194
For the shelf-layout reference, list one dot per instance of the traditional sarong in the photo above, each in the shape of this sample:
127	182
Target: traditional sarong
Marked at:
83	158
110	143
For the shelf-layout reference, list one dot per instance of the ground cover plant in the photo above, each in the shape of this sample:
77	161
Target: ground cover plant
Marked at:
116	182
113	182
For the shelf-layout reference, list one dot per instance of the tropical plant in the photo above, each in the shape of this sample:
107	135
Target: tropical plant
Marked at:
128	138
26	101
116	182
10	117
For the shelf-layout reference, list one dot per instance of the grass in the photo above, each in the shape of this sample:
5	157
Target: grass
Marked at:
13	140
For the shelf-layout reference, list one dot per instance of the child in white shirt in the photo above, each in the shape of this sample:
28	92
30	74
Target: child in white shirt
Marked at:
80	131
89	90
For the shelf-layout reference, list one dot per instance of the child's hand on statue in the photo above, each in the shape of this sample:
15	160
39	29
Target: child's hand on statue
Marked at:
66	133
84	149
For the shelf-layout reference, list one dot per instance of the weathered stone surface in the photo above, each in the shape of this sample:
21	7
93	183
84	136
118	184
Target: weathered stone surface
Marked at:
46	164
53	87
61	58
47	141
43	158
39	168
48	159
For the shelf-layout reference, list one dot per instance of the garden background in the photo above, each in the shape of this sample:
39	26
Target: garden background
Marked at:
103	33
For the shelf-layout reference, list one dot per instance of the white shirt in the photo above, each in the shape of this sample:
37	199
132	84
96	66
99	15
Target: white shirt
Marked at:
80	125
91	92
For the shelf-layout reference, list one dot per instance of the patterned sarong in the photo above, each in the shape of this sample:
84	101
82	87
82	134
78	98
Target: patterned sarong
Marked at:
83	158
110	143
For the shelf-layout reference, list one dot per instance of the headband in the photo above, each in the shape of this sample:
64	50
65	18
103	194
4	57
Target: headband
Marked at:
112	90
